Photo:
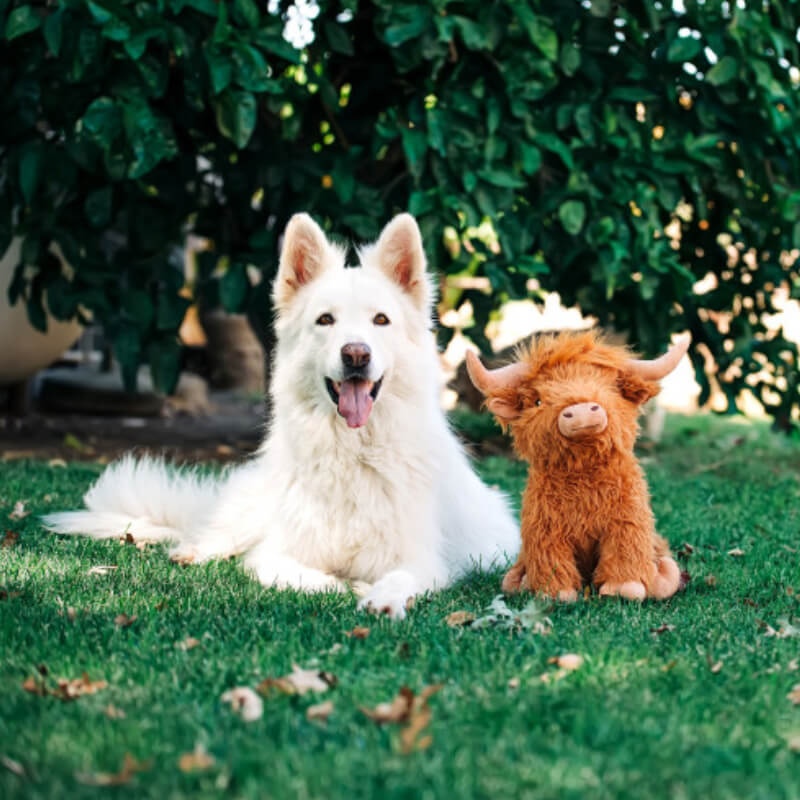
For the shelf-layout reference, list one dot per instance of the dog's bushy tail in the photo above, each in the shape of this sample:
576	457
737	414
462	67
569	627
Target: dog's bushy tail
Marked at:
146	498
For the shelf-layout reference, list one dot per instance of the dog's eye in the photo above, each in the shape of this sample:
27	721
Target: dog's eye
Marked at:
325	319
380	319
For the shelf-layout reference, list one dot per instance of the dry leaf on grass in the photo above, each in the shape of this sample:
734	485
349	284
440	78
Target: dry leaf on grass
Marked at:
245	703
198	759
299	681
56	462
411	709
19	511
188	643
662	628
568	661
716	667
112	712
320	711
793	742
786	630
358	632
685	551
710	580
10	538
130	766
65	689
6	595
513	683
736	552
13	766
124	621
794	695
459	619
531	617
101	569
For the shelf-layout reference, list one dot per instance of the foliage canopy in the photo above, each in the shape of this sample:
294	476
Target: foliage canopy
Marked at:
621	153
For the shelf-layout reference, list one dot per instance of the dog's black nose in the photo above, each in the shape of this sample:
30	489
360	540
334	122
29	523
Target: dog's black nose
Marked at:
356	354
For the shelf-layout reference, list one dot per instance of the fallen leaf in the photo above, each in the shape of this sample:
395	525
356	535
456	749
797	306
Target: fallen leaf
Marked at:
130	766
793	665
459	619
299	681
663	628
685	551
320	711
19	511
244	702
736	552
9	539
669	665
198	759
6	595
710	580
124	621
552	677
101	569
568	661
34	686
13	766
56	462
794	695
684	581
358	632
188	643
531	617
793	742
716	667
77	687
112	712
407	708
786	630
513	683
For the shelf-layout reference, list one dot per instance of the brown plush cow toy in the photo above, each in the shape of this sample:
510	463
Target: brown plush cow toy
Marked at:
572	403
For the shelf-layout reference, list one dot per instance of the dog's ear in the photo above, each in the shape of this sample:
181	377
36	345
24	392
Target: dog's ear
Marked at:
304	255
400	256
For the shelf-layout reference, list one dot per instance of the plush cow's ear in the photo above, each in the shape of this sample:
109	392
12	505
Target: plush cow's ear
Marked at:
399	255
636	390
506	409
305	254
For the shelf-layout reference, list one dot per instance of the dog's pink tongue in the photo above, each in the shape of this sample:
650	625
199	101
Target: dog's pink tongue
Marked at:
355	402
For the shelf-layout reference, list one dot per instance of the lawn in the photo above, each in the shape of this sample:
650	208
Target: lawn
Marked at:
687	698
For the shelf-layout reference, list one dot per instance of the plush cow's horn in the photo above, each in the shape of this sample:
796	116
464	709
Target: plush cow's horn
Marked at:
660	367
487	380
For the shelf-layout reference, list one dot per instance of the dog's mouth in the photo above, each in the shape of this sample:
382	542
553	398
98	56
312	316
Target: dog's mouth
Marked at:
353	398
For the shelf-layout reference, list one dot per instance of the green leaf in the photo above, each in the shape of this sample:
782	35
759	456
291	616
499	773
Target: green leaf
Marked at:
29	169
233	287
170	310
723	71
415	145
128	348
164	357
220	68
683	48
98	207
236	116
539	29
338	38
570	59
415	24
22	20
572	215
137	308
102	120
246	12
504	179
102	15
51	30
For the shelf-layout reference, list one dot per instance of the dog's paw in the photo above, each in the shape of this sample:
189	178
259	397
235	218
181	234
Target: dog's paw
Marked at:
630	590
391	595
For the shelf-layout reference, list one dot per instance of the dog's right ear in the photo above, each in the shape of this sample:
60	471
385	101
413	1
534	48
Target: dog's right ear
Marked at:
305	254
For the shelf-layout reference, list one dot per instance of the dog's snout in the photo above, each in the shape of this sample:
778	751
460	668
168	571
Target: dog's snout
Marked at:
356	355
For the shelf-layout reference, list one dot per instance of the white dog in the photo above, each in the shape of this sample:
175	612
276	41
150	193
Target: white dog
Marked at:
359	478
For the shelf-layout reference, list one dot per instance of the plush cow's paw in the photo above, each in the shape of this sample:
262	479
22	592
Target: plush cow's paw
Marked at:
630	590
391	595
667	580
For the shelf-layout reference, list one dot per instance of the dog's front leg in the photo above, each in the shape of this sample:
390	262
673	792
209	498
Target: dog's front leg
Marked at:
395	591
284	572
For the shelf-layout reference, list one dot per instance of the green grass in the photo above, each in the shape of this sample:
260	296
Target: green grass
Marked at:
645	716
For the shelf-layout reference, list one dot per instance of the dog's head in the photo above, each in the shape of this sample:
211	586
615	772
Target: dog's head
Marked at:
347	332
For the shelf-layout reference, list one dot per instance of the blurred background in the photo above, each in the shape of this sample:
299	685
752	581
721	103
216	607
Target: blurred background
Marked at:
570	164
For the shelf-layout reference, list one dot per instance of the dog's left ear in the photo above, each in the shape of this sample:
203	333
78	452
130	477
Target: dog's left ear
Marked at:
400	256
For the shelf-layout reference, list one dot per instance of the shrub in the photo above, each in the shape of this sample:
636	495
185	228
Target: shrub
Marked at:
621	154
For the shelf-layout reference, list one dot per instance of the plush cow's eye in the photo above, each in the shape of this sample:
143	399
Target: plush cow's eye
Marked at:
538	402
380	319
325	319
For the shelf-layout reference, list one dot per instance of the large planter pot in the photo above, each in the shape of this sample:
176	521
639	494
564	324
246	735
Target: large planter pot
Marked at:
26	350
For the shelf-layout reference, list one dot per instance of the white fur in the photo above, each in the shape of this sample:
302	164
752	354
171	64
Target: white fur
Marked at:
393	503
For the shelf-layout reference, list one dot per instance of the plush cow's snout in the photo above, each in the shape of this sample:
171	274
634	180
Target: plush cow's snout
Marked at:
582	419
355	355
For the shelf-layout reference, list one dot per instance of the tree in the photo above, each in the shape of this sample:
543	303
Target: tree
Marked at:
620	153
